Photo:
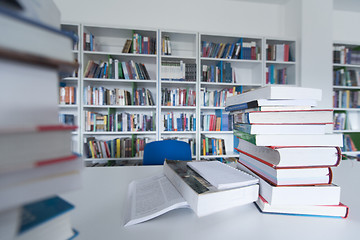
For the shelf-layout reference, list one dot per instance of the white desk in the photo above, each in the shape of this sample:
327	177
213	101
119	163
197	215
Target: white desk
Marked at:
100	204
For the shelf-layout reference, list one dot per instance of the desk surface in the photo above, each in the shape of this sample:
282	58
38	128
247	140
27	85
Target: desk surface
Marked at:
100	208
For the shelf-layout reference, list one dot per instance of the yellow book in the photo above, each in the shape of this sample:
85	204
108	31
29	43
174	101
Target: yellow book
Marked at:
118	148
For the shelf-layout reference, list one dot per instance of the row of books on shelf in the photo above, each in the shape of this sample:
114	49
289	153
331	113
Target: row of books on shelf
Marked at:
115	69
178	71
179	122
275	75
216	122
119	122
346	99
125	147
67	95
217	98
346	77
221	72
346	55
278	52
212	146
89	42
339	121
116	96
165	45
349	144
238	50
178	97
140	44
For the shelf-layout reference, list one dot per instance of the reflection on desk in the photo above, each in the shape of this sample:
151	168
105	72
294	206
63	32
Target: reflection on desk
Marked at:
100	208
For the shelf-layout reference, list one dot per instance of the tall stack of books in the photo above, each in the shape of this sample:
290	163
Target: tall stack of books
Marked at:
290	147
36	161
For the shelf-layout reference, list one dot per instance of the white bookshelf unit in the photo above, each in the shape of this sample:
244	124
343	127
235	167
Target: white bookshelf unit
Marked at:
188	79
346	89
178	87
120	101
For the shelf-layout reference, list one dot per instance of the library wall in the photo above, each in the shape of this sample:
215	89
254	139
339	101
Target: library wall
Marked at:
343	30
214	16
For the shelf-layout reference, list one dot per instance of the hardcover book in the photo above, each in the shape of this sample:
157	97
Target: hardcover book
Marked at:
275	92
287	176
296	195
202	196
290	157
333	211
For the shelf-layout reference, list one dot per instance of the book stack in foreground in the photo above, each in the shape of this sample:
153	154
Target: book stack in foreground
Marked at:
290	147
36	161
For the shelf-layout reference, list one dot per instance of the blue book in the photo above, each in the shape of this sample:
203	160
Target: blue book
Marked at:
51	214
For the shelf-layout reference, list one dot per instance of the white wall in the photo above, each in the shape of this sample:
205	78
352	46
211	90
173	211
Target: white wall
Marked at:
214	16
345	25
316	47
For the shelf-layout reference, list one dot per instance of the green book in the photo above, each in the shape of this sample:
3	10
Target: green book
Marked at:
121	73
245	136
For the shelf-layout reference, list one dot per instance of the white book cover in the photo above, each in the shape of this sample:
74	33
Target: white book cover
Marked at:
221	175
276	92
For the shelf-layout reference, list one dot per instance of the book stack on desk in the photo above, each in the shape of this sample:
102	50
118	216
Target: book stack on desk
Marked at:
36	161
290	147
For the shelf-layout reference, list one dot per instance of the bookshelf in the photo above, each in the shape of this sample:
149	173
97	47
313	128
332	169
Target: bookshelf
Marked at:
119	108
177	68
225	70
280	61
69	90
178	86
346	88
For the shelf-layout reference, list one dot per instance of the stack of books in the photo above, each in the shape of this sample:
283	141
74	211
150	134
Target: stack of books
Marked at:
290	147
36	161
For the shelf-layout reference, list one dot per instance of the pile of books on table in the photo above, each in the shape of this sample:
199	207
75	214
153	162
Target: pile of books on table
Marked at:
36	161
289	146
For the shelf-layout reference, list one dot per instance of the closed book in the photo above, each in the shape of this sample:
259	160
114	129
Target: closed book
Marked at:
276	92
32	147
334	211
29	97
335	140
46	219
283	128
296	195
272	104
34	37
290	157
25	186
203	197
315	116
287	176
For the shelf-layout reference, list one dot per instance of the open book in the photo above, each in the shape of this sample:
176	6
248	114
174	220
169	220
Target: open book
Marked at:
151	197
182	187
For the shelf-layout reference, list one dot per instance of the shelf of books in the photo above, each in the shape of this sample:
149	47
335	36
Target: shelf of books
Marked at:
280	61
178	86
346	101
69	90
229	65
119	111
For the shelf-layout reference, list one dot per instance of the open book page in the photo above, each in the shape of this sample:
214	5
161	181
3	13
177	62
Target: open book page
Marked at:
221	175
151	197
